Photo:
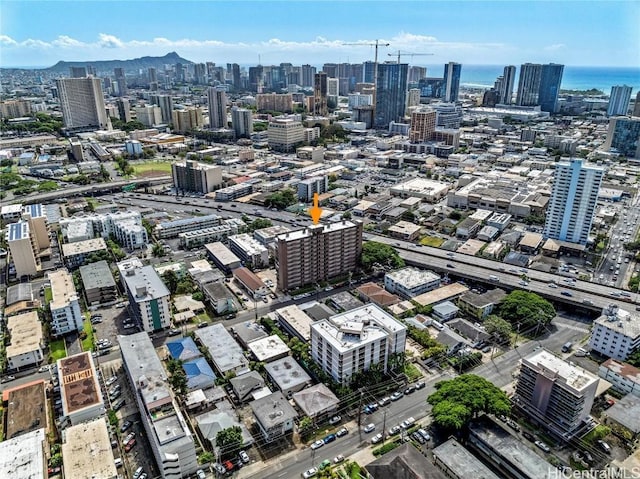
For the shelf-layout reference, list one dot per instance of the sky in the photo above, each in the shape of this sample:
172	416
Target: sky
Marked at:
592	33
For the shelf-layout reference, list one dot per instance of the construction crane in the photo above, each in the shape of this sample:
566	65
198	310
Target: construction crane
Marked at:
376	44
410	54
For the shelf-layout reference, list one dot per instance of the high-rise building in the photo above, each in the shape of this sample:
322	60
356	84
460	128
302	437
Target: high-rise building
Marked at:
235	76
550	81
285	134
124	110
508	80
616	334
148	296
452	73
624	136
275	102
217	107
308	75
417	73
82	103
331	69
180	72
619	100
255	78
356	340
152	73
78	72
573	201
317	253
165	102
391	93
309	186
24	248
188	119
242	122
121	81
636	106
368	72
529	84
200	73
423	124
320	92
195	177
15	108
413	97
432	87
64	305
149	115
555	393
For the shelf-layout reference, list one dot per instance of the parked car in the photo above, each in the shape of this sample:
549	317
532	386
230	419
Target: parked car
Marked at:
201	475
173	332
420	385
394	430
309	472
376	439
244	456
318	444
125	425
111	380
424	434
324	464
338	459
542	446
219	468
329	438
407	423
369	427
335	420
384	401
6	379
396	395
410	389
342	432
418	437
528	435
604	446
130	445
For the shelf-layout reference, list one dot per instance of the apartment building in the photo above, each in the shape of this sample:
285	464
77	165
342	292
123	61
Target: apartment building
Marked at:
555	394
309	186
24	249
623	377
149	298
170	439
26	341
285	134
234	192
82	103
125	226
616	334
65	305
192	239
171	229
410	282
80	390
98	282
187	120
354	340
249	250
87	451
196	177
317	253
75	254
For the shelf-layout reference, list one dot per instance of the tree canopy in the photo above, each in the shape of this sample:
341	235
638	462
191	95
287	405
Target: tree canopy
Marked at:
229	440
374	252
281	199
455	402
526	308
497	326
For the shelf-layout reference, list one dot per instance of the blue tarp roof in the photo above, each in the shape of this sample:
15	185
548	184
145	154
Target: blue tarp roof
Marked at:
183	349
199	374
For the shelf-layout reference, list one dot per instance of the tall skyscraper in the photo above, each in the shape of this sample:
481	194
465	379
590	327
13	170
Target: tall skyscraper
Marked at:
235	76
320	92
124	110
187	120
82	103
165	102
200	73
506	87
121	81
217	107
255	78
624	136
452	72
308	75
573	201
78	72
242	122
317	253
550	80
619	100
391	93
529	84
152	74
417	73
423	124
369	71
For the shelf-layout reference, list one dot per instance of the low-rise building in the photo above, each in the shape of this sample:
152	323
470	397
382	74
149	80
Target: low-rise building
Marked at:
26	409
287	375
458	463
445	311
80	390
616	334
250	282
405	230
274	416
353	341
480	305
295	322
222	257
25	456
193	239
75	254
65	305
316	401
98	282
226	354
87	451
267	236
219	297
624	418
269	349
405	461
234	192
249	250
623	377
246	385
410	282
429	190
26	341
171	229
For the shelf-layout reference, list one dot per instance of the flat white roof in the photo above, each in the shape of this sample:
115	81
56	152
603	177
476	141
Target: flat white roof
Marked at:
62	289
307	231
573	376
269	347
621	321
26	333
297	319
22	457
87	452
412	277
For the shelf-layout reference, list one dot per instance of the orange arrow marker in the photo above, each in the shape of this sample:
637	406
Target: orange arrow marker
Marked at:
315	211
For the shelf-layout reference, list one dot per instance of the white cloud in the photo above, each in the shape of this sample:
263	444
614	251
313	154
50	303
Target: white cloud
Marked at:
7	41
65	41
110	41
555	47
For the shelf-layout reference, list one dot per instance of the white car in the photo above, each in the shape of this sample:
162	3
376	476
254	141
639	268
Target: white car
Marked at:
111	380
370	427
338	459
310	473
201	475
317	444
244	456
542	446
376	439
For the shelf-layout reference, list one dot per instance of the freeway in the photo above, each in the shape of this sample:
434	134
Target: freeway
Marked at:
479	269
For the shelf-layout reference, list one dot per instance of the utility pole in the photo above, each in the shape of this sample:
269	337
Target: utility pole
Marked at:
384	426
360	415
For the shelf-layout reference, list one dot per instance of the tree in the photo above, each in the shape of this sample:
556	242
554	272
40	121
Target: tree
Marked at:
171	280
206	457
497	326
634	358
455	402
177	376
305	426
281	199
158	250
229	441
383	254
455	215
259	223
346	215
527	309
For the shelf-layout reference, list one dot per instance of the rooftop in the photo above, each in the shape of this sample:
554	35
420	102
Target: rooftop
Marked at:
25	334
87	452
309	230
250	245
623	369
297	320
83	247
26	409
441	294
183	349
248	278
265	349
97	275
420	186
273	410
144	283
404	462
18	231
22	457
62	289
199	374
626	412
316	400
621	321
80	387
19	292
560	370
222	253
195	220
459	460
226	353
287	373
412	277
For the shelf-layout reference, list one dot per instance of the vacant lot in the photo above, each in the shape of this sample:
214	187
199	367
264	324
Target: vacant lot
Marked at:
152	168
58	349
431	241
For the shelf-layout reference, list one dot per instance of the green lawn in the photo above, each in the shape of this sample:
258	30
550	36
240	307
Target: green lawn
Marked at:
48	295
58	349
412	372
159	166
431	241
87	343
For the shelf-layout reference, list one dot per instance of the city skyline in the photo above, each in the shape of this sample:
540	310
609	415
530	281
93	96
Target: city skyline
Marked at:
481	33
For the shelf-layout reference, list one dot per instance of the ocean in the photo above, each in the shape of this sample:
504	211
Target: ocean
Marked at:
573	78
